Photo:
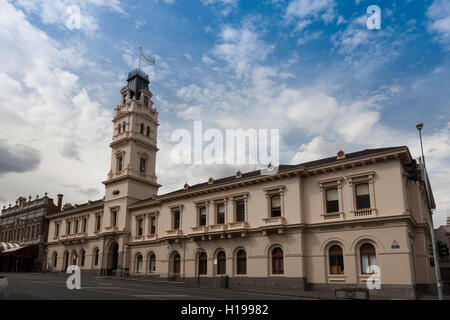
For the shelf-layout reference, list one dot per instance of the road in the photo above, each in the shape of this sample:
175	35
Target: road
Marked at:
32	286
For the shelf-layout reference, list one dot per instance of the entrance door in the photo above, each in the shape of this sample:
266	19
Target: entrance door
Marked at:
113	259
176	266
66	260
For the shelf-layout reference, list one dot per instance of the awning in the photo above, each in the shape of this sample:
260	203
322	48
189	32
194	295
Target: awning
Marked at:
9	247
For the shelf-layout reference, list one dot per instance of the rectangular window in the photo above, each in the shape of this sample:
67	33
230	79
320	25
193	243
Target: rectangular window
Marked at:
332	200
84	225
56	230
152	225
240	211
362	196
76	227
114	218
140	227
98	223
220	214
202	216
142	165
67	231
275	202
119	163
176	220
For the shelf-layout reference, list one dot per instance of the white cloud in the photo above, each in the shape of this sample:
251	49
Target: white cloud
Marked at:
226	6
317	148
53	109
207	60
307	11
241	47
58	11
439	15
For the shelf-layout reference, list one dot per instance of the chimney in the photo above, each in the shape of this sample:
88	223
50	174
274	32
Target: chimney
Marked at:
60	199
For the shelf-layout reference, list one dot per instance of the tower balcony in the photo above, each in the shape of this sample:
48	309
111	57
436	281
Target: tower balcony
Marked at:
128	172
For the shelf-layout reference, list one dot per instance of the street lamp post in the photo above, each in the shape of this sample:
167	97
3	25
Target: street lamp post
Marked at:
419	127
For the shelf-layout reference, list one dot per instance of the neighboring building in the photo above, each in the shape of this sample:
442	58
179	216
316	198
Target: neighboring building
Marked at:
24	232
443	244
312	226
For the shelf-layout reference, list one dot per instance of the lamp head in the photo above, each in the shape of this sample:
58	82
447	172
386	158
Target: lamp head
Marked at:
419	126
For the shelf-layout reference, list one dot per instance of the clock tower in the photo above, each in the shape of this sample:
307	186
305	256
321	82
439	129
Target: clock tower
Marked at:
132	176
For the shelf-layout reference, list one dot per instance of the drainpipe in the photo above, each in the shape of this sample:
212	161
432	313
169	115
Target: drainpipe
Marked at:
184	259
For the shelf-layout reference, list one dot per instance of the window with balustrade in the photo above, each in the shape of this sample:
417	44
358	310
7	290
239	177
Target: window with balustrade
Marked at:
140	226
362	196
202	216
84	225
240	211
176	219
220	213
332	200
152	225
275	206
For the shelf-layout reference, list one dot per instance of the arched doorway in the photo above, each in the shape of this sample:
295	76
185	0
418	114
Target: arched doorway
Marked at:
66	260
175	266
113	259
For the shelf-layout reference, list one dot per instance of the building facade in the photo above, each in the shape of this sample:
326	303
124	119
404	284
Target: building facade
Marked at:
443	244
24	233
313	226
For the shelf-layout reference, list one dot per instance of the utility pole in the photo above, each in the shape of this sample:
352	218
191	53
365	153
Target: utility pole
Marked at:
425	180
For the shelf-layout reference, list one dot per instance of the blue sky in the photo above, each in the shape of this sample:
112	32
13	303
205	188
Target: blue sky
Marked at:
308	67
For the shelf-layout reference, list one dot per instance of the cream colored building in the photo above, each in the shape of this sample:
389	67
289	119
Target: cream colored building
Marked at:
312	226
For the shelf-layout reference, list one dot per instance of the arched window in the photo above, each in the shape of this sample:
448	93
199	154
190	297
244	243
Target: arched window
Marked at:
202	263
83	257
66	260
221	263
368	257
336	260
96	254
332	200
362	196
74	258
277	261
152	263
55	259
241	262
142	128
139	263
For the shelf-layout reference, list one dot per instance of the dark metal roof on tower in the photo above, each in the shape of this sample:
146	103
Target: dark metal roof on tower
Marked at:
137	80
